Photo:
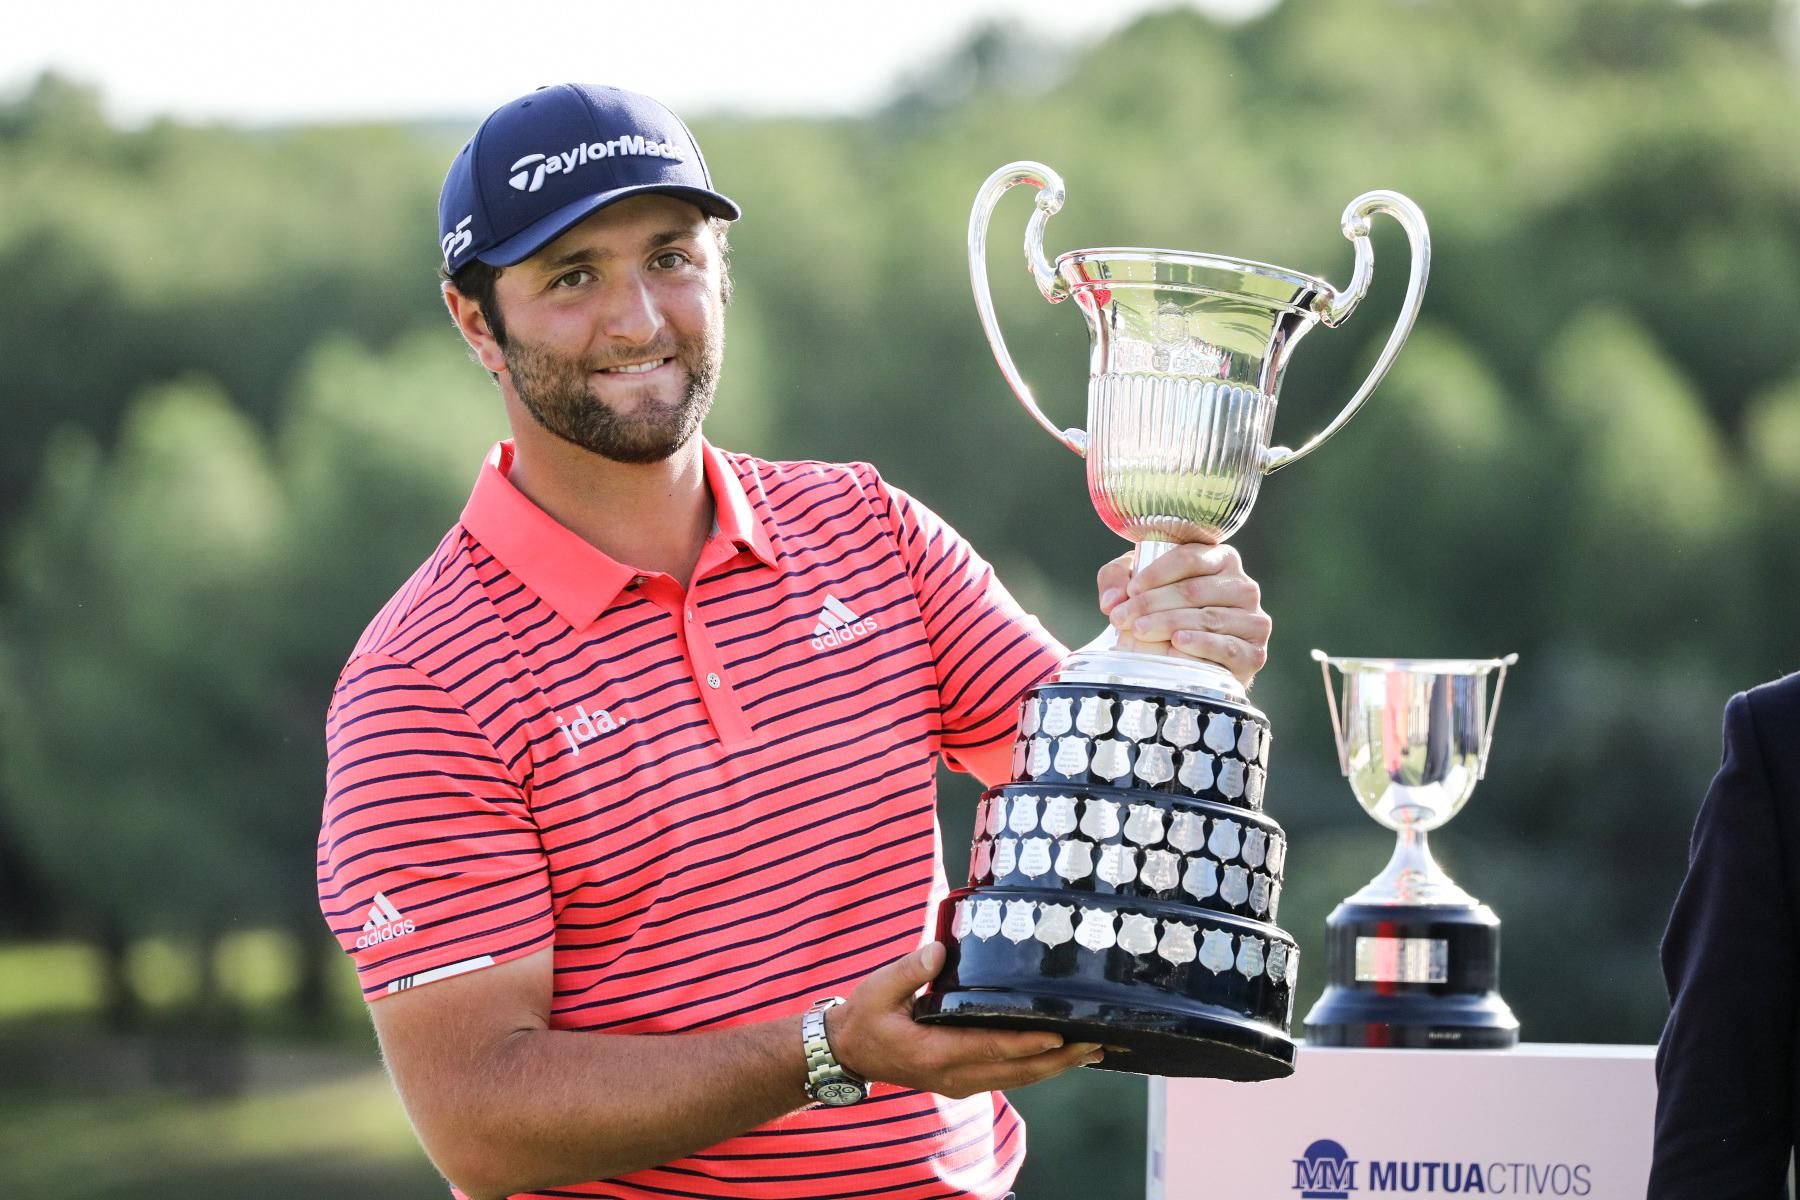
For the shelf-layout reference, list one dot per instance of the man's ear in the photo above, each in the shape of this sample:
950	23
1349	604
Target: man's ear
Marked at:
472	323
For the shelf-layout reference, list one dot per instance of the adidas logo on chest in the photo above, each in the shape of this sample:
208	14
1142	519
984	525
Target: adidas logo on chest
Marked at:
838	626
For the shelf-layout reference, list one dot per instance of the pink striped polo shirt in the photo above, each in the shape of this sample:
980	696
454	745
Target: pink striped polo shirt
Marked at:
716	805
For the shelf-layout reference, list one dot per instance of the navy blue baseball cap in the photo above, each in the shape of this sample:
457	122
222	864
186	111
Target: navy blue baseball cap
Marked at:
544	162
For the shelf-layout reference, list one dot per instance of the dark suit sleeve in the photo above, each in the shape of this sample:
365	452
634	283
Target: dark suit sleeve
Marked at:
1725	1064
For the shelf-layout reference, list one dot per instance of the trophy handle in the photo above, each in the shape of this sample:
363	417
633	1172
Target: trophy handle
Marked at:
1335	308
1487	735
1049	199
1337	723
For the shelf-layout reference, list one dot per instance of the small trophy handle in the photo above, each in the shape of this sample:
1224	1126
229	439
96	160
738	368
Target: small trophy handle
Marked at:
1049	199
1334	309
1487	735
1337	723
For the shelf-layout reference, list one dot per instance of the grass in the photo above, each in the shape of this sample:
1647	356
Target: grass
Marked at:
86	1114
42	979
343	1137
256	969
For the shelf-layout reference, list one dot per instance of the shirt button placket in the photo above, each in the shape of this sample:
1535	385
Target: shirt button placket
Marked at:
709	668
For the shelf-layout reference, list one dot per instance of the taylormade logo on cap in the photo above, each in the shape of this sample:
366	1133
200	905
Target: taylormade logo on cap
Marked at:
528	173
564	152
458	239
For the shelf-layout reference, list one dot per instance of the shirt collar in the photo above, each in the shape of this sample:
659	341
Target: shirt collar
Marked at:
565	571
733	515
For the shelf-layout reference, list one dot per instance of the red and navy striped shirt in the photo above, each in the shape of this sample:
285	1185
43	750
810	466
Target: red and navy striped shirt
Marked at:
714	804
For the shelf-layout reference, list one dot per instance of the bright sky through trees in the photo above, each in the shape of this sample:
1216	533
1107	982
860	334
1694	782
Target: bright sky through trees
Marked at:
342	60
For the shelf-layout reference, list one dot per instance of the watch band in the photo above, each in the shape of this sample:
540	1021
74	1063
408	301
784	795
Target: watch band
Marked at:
828	1081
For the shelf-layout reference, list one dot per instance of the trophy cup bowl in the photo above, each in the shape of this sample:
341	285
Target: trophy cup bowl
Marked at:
1124	884
1412	959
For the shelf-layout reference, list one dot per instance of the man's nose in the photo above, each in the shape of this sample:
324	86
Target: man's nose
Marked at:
632	314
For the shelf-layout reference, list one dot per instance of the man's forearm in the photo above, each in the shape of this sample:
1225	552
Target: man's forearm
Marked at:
552	1108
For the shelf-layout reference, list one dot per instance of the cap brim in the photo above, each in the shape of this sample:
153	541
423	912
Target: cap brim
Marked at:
542	232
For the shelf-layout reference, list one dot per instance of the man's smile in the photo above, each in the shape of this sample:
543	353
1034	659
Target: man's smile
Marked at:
642	368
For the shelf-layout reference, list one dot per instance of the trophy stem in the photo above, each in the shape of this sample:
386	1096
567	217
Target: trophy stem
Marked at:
1142	555
1412	876
1147	552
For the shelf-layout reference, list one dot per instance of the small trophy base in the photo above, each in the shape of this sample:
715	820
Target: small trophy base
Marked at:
1412	977
1138	1040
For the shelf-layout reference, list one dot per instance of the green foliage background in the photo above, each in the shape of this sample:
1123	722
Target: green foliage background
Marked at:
237	418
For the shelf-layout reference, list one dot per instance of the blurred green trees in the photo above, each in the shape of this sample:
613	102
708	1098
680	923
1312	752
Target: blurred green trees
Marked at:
237	419
176	611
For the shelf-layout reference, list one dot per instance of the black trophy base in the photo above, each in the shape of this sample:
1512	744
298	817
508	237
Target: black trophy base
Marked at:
1139	1041
1123	886
1416	977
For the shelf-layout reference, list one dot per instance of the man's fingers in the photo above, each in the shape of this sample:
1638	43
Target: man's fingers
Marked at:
1250	625
1235	638
952	1048
1036	1068
1243	659
1188	559
1233	590
1113	581
1010	1046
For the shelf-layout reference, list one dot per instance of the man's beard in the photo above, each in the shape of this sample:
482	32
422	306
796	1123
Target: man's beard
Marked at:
556	392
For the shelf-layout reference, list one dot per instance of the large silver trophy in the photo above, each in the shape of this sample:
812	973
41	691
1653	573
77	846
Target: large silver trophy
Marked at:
1412	959
1124	885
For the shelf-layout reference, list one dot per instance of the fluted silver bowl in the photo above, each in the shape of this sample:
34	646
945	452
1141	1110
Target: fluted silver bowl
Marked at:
1188	351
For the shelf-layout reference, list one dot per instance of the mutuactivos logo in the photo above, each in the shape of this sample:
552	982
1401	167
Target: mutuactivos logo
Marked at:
1327	1172
586	727
838	626
528	173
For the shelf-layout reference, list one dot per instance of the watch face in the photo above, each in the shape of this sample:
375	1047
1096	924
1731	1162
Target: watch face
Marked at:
837	1093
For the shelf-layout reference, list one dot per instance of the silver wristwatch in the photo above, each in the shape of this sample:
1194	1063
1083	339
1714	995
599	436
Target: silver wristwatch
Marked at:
828	1081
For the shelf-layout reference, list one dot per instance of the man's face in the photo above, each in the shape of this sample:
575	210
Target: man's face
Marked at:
615	331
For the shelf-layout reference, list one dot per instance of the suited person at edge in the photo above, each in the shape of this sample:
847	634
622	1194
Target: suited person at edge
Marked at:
1726	1067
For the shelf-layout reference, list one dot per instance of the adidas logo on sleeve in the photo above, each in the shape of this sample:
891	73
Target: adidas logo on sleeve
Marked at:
384	924
838	626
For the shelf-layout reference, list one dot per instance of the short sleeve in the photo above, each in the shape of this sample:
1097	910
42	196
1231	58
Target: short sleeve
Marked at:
987	649
430	864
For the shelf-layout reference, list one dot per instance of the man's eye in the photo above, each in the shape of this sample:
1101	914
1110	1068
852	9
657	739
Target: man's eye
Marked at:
668	260
573	278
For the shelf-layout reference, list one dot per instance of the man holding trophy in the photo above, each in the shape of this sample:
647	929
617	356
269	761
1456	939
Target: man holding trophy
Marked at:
634	778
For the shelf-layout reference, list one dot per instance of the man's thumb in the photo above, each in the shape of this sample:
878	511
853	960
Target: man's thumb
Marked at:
913	972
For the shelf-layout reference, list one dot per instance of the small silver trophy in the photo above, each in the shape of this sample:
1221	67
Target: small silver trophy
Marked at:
1124	885
1412	959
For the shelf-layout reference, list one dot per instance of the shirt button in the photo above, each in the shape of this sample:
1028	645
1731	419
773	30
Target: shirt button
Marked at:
712	679
690	615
